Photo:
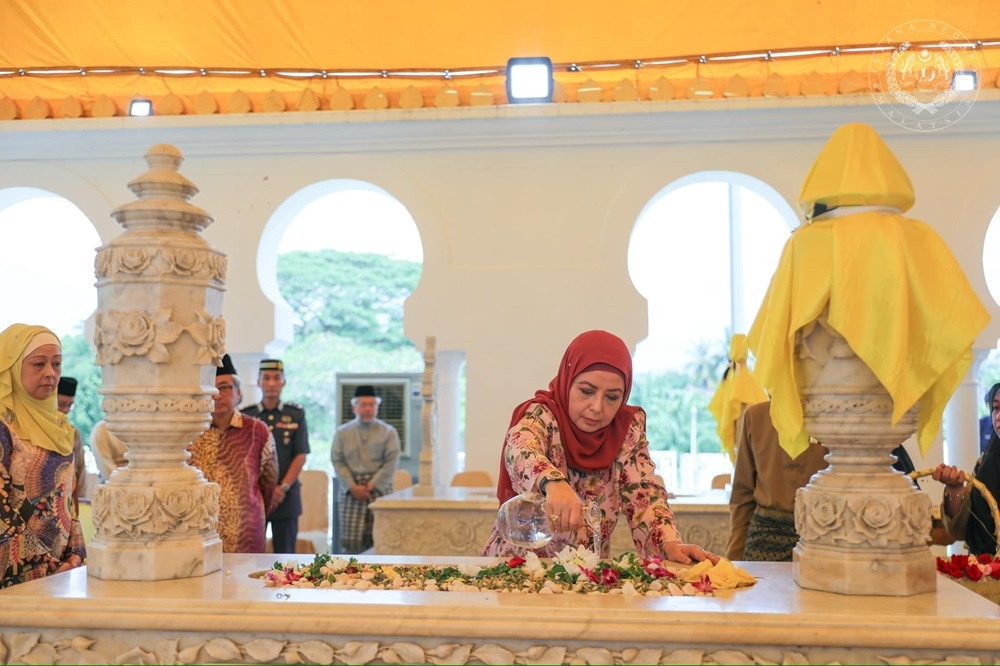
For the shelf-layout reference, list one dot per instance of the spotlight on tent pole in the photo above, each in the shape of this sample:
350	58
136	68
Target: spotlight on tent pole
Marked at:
140	107
529	80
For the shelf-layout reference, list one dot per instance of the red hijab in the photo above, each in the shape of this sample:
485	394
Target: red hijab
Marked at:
586	451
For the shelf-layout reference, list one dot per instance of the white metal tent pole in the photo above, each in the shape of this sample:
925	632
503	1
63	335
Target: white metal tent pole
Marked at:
736	310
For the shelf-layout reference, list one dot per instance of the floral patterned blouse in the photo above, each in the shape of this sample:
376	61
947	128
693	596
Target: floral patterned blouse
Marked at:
534	446
37	528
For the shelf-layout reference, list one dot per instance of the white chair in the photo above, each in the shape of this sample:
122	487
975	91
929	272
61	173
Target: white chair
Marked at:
473	478
720	480
401	479
314	523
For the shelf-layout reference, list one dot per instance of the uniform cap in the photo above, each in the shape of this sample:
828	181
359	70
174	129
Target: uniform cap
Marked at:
272	364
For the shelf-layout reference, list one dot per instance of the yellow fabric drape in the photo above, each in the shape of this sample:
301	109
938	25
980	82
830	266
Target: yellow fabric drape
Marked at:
38	421
894	291
737	391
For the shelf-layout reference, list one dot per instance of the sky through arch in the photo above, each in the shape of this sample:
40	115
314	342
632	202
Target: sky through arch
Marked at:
681	259
53	265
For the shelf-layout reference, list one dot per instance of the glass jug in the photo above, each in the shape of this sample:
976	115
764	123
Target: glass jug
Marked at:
524	520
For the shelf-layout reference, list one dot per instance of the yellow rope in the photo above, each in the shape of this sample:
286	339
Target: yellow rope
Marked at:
983	490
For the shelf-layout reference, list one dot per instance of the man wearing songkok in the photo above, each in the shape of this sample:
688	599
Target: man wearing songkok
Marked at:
287	421
887	283
364	455
737	391
65	398
237	452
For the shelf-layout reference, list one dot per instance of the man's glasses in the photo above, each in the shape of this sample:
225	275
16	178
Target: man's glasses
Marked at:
226	388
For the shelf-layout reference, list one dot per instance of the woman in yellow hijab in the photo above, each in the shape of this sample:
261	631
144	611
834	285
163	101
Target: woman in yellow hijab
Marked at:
38	534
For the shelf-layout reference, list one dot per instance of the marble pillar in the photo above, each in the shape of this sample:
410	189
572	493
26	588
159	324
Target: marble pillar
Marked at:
428	421
863	527
158	333
449	366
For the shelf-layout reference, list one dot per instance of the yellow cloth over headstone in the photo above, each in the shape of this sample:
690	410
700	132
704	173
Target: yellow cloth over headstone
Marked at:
737	390
894	290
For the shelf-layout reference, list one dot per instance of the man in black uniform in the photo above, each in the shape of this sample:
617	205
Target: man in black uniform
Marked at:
287	422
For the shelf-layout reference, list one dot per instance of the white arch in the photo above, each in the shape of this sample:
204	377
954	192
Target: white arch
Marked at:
991	250
51	247
654	260
276	228
756	185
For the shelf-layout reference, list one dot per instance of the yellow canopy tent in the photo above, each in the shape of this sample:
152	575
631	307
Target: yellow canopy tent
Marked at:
120	48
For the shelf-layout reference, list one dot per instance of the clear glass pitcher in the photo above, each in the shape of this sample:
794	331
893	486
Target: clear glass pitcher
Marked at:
524	520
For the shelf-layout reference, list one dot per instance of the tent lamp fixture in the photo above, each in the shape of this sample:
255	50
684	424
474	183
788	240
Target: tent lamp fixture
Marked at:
529	80
964	81
140	107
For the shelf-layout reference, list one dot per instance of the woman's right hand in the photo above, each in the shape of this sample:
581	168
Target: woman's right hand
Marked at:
564	506
952	477
954	487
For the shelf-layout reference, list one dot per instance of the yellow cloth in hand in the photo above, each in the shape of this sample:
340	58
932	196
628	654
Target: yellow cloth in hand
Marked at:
738	390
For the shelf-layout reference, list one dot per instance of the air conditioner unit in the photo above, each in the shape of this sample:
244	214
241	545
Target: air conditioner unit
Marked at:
401	404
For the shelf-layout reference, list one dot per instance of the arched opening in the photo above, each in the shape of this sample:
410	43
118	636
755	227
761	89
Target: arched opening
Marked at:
346	255
702	252
49	271
989	369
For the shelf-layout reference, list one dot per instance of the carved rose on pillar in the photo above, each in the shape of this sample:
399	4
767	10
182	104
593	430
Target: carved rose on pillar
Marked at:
209	507
210	334
179	503
916	516
218	264
135	513
134	333
133	509
133	260
873	519
822	514
99	505
183	261
102	263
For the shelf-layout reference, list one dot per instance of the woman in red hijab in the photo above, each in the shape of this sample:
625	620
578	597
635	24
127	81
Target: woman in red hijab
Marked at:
578	442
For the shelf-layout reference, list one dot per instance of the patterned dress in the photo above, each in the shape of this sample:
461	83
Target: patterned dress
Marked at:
37	527
242	460
628	487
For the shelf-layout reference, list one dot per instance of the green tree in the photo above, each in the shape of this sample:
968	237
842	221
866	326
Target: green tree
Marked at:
355	296
670	397
348	319
79	362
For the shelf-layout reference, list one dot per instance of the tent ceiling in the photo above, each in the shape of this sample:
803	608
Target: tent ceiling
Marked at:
379	35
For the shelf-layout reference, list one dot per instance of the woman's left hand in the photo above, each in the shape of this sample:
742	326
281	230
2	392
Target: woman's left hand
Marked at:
687	553
72	563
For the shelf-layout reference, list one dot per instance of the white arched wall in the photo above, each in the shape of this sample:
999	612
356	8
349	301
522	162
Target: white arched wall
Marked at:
524	212
267	252
93	201
656	291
